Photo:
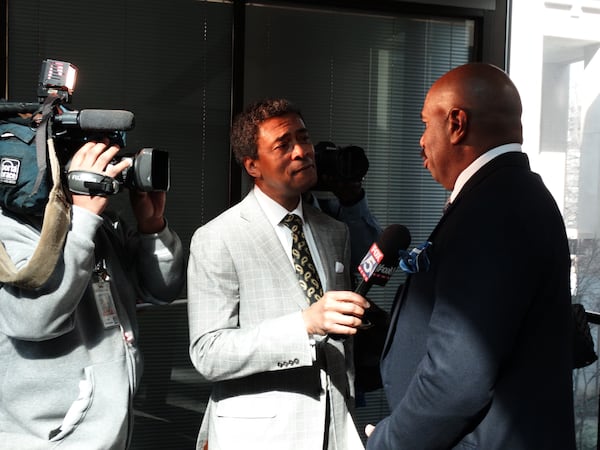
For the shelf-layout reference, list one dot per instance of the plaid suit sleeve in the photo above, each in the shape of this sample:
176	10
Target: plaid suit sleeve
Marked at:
239	318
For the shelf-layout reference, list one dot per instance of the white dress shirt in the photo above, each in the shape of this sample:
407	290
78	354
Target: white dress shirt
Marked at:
479	163
275	214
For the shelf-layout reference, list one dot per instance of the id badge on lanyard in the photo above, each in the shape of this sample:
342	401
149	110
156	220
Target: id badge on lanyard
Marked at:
103	296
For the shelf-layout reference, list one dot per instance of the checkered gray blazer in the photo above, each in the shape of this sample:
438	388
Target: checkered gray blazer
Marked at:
247	336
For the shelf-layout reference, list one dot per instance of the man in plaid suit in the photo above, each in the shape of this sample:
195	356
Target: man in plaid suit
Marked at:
281	366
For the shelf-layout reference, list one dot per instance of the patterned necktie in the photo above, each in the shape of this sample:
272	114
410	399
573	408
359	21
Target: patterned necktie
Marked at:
306	270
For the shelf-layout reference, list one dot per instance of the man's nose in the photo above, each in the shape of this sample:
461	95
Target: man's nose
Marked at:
302	150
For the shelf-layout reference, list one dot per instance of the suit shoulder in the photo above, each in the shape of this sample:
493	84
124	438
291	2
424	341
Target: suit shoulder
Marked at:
317	218
221	223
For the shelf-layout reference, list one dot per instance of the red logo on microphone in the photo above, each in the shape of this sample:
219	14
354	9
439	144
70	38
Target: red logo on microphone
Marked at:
370	262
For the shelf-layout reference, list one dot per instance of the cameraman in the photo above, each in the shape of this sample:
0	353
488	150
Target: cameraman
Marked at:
339	193
69	365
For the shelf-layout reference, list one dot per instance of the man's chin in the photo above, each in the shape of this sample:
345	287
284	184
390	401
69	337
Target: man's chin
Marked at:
308	184
306	177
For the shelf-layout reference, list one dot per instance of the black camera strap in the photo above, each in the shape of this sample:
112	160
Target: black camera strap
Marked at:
91	183
57	217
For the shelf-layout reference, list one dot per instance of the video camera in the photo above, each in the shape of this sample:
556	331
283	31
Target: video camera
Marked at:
70	129
339	164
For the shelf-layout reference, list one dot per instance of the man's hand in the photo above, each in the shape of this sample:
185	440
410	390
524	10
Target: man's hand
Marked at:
369	429
96	157
338	312
348	192
149	209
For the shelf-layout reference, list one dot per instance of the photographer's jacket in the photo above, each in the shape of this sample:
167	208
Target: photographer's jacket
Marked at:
68	360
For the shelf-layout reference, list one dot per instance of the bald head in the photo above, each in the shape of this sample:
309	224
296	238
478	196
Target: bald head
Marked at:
468	111
490	99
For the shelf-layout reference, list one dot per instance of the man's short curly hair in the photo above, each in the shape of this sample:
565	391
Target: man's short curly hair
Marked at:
244	131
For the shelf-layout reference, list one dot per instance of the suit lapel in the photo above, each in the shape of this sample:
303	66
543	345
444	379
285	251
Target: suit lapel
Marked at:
508	159
324	247
269	245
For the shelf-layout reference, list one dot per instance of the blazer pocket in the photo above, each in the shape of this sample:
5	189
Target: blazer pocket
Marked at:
340	282
247	406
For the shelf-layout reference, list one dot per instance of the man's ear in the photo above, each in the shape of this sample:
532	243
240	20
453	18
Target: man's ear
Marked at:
252	167
458	120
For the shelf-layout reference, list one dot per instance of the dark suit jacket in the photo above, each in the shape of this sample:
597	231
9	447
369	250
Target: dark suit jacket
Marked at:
479	352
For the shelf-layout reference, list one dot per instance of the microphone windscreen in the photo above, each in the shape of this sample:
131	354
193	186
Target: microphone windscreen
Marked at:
394	238
106	120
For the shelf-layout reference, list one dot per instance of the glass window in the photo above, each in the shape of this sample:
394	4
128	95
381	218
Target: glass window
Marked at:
170	64
359	78
555	63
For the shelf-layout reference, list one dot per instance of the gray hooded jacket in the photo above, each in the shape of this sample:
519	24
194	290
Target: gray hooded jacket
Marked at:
68	367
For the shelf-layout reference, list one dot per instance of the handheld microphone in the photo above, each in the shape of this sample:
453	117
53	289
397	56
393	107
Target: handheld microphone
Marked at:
382	259
96	120
380	262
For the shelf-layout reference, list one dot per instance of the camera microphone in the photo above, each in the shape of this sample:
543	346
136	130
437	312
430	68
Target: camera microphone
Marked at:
13	108
103	120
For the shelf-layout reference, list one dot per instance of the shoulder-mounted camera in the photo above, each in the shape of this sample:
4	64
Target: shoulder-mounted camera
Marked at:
70	129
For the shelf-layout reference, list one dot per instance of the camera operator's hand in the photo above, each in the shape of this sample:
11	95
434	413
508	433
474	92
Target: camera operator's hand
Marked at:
347	192
149	209
96	157
338	312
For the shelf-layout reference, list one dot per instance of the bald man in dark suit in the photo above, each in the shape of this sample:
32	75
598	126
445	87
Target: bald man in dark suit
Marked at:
479	354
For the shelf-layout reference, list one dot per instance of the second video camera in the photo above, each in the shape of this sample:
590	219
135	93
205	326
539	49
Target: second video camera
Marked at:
339	164
149	171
